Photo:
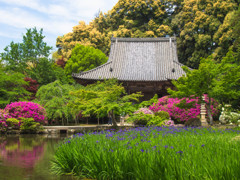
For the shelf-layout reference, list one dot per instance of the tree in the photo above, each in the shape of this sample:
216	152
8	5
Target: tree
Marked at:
102	98
18	56
55	97
217	80
227	85
12	88
84	58
83	34
235	23
46	71
131	18
201	27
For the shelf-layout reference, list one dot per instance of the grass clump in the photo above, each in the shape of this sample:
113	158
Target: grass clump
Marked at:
151	153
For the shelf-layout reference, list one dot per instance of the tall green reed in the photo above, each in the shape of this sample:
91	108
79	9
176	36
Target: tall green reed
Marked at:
151	153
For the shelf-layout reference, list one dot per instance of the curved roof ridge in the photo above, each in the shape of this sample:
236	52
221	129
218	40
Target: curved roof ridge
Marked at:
94	69
149	39
182	65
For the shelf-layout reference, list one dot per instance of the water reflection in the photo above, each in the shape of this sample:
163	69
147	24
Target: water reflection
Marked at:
27	157
21	151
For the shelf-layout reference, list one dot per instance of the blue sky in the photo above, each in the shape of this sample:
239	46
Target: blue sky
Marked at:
56	17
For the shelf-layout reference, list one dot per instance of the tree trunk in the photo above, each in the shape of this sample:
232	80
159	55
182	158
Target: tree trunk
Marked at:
209	113
114	119
75	120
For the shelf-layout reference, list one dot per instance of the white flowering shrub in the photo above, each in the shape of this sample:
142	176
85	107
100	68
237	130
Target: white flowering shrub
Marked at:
229	117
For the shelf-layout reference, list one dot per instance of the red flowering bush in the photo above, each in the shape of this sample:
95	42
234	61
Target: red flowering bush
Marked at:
26	110
61	62
182	109
31	87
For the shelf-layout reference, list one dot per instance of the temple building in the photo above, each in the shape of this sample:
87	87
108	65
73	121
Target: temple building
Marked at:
140	64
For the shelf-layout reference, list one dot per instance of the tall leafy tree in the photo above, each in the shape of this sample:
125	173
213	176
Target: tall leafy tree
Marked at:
55	98
235	23
102	98
200	27
133	18
33	46
84	58
83	34
18	56
12	87
218	80
46	71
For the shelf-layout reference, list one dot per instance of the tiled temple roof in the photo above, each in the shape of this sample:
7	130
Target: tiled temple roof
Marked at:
138	59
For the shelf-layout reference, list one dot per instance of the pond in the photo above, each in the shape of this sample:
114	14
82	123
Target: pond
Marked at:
28	157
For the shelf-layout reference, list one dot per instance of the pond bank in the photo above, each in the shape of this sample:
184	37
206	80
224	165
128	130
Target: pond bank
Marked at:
80	129
70	129
91	128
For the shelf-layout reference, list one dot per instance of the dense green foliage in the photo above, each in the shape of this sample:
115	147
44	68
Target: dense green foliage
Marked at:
145	116
12	87
140	118
28	125
55	98
31	58
84	58
235	23
218	80
151	153
46	71
19	56
104	98
202	27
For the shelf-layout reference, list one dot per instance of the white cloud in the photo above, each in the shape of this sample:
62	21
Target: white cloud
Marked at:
56	17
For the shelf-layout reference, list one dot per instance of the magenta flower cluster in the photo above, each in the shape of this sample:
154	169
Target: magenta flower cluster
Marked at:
144	111
171	105
3	117
26	110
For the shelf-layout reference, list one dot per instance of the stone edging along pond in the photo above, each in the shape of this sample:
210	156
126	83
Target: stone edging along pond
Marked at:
90	128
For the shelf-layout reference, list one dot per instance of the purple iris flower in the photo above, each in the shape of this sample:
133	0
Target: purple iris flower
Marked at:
179	152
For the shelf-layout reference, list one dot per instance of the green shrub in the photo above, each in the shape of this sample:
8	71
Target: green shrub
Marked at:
140	118
13	122
162	114
28	125
156	121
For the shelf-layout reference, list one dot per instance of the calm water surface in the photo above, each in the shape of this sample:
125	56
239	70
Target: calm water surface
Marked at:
28	157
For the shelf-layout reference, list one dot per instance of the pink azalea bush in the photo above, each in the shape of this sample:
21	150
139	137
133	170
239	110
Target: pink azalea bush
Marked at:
26	110
144	111
3	117
168	123
190	109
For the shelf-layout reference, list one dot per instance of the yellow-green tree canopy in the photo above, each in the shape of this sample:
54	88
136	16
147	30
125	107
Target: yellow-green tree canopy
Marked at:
202	27
103	97
132	18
